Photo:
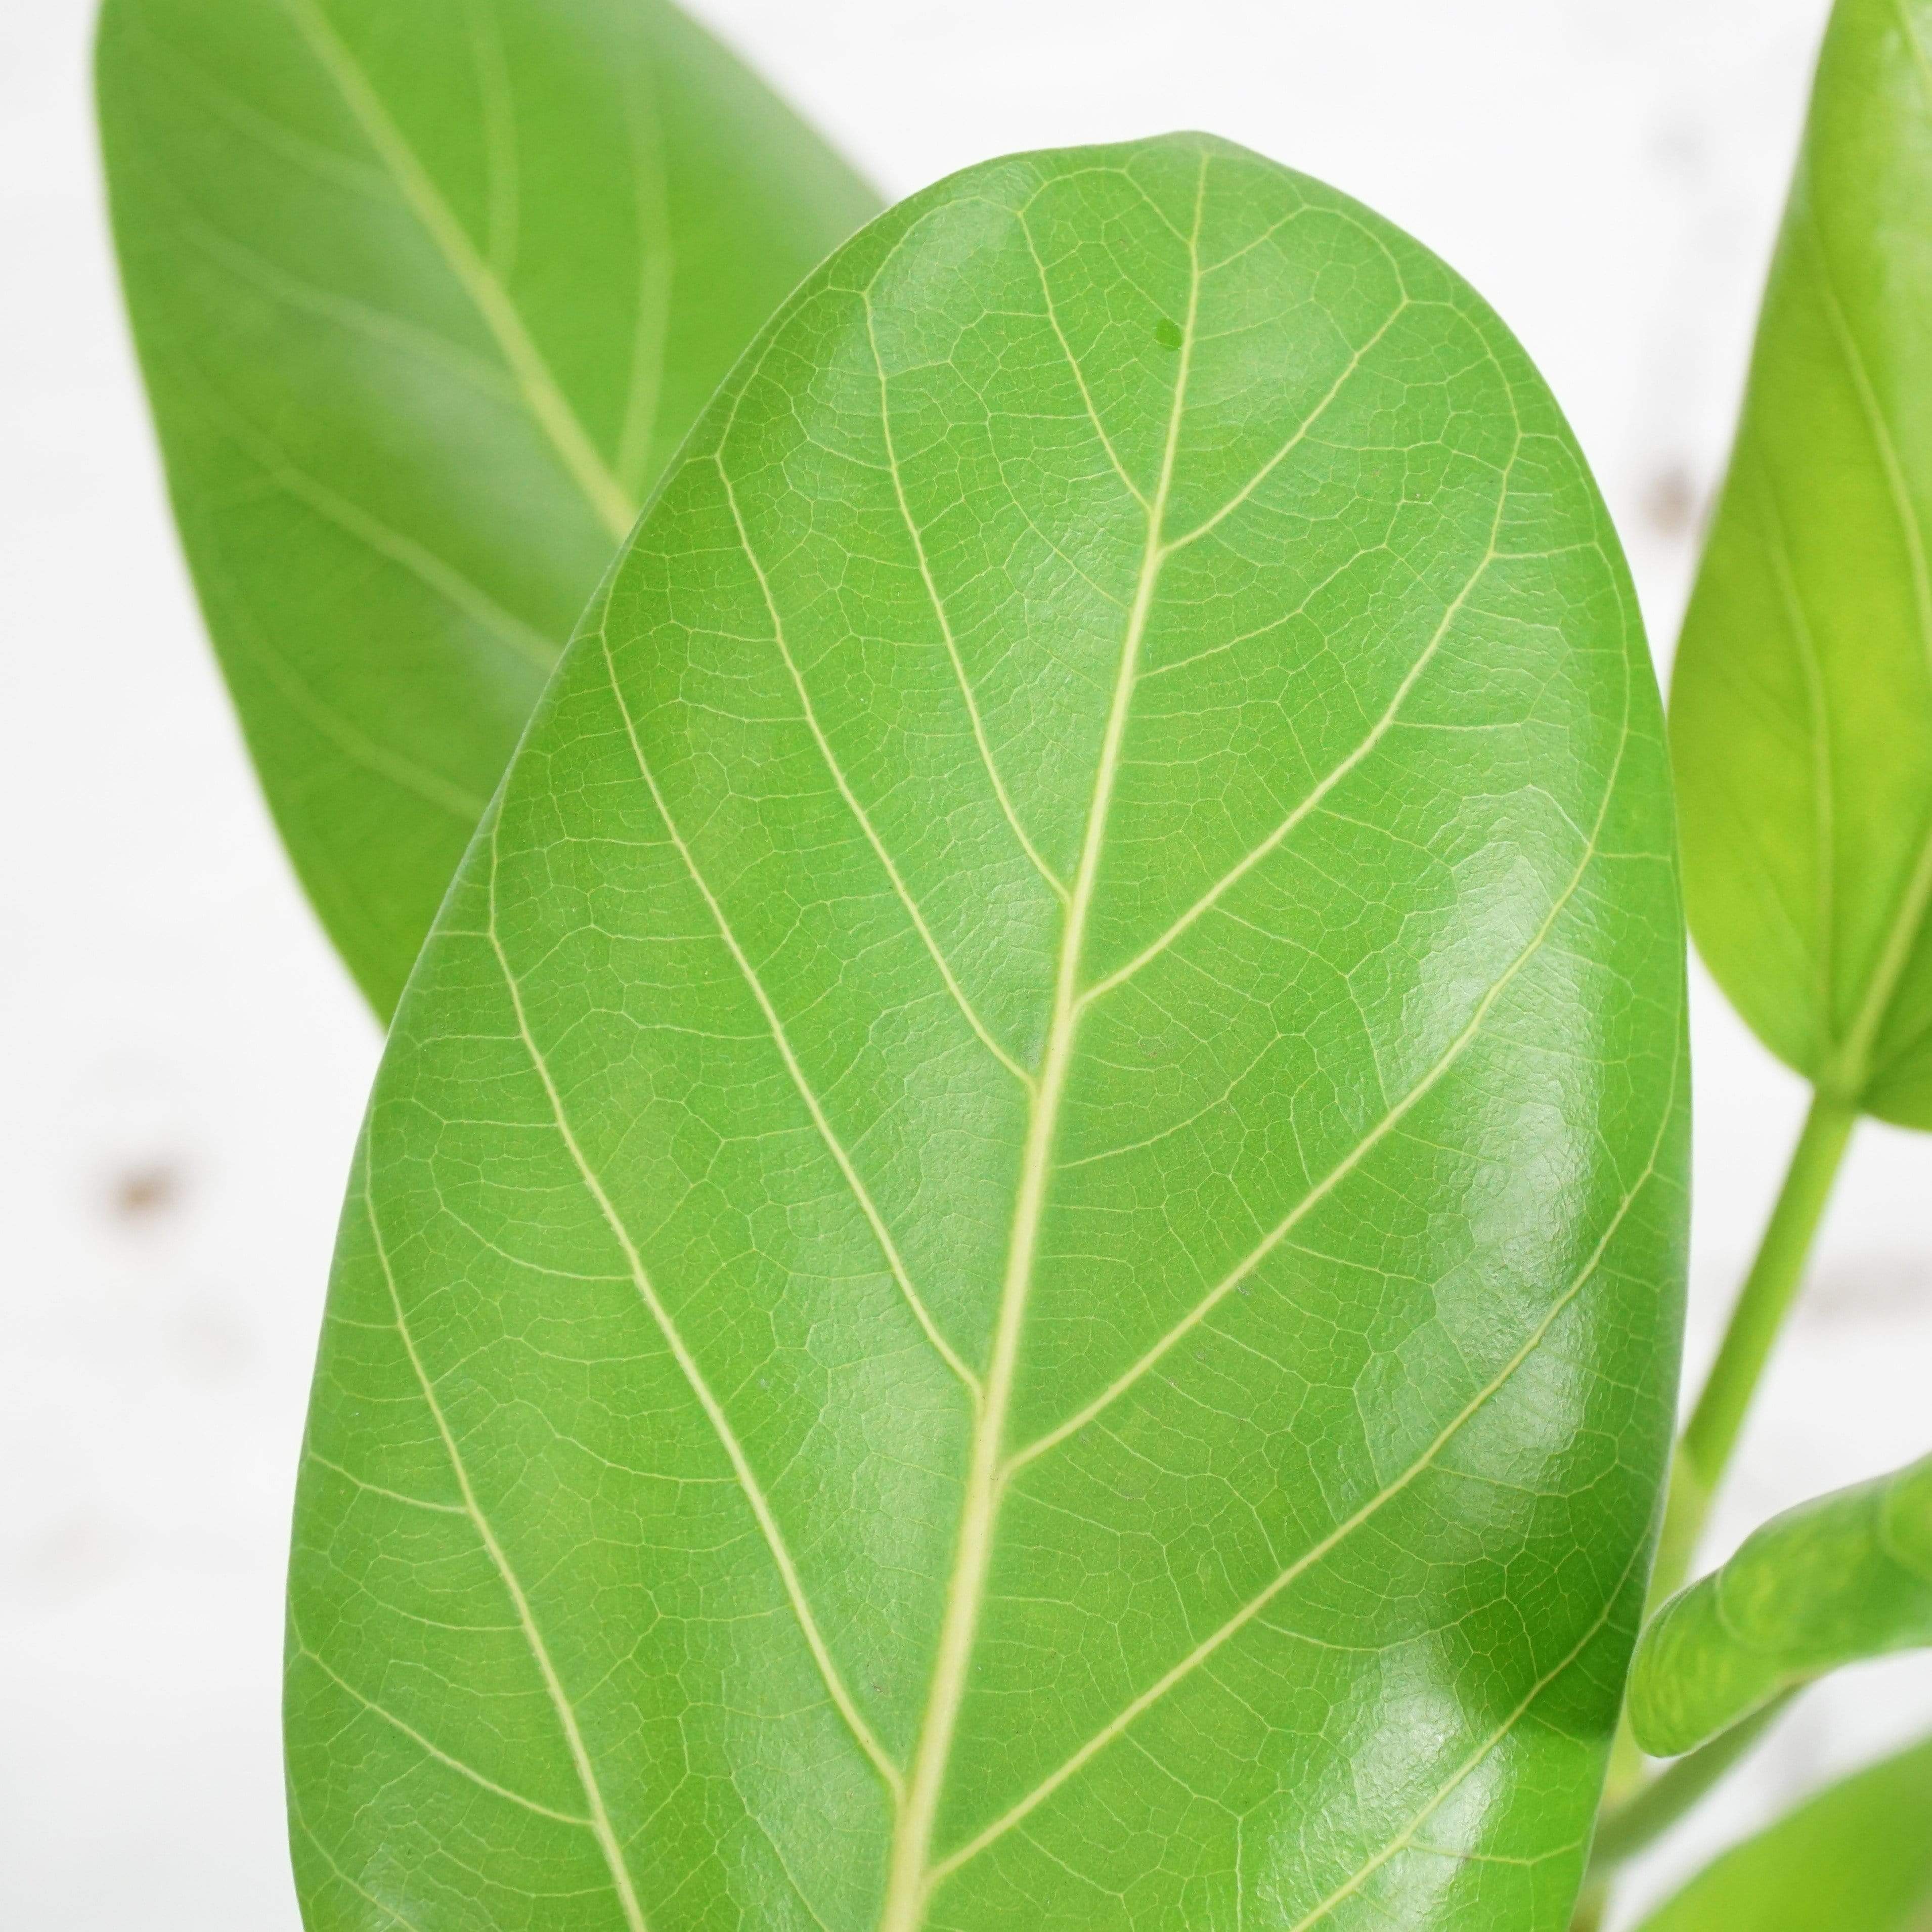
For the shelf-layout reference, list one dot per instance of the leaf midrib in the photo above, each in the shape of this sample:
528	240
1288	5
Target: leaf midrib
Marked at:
906	1906
909	1873
1117	1727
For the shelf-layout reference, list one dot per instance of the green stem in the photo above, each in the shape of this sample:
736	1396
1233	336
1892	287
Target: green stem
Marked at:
1712	1432
1625	1830
1636	1810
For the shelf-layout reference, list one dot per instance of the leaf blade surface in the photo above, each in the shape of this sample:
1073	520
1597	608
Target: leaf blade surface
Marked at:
1802	700
425	297
1846	1577
1857	1856
1041	1149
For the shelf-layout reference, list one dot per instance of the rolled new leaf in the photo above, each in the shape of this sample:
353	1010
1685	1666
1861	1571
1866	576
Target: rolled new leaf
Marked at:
1801	699
1846	1577
1017	1260
426	294
1857	1858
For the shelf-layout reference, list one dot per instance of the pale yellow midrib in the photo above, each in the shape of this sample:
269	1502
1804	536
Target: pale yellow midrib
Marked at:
548	406
1117	1725
909	1873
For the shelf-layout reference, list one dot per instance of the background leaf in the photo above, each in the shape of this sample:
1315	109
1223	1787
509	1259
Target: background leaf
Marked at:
1802	701
425	296
1856	1858
1846	1577
1017	1260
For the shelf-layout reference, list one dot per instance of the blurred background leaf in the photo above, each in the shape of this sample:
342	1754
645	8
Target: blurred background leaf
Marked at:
425	295
1856	1858
1801	709
1802	701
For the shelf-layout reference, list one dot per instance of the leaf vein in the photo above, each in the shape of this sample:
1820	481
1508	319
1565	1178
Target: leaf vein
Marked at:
1287	449
547	404
888	1247
966	691
1469	1765
328	1857
687	1362
1343	1168
986	1037
560	1703
1285	829
303	1649
1255	1605
1134	490
910	1875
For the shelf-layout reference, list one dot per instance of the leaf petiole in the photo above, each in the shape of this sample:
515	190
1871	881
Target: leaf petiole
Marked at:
1626	1829
1637	1810
1711	1434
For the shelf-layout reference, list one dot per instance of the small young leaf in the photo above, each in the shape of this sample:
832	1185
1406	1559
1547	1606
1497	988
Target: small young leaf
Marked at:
1017	1260
1856	1858
425	296
1846	1577
1801	702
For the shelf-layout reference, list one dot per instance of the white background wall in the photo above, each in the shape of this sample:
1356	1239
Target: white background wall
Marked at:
183	1065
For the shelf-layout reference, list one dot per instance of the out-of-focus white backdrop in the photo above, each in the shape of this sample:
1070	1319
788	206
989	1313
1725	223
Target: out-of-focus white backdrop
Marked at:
183	1064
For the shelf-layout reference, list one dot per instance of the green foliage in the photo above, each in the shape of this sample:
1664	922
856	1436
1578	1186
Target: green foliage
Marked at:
1857	1858
426	295
1845	1577
1801	704
1017	1260
1631	1821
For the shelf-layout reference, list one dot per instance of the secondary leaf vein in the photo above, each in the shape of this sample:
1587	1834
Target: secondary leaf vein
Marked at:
1255	1605
687	1362
903	892
1343	1168
939	611
861	1194
560	1703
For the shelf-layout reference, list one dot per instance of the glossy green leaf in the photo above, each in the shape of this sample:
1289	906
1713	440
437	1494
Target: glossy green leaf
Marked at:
1856	1858
1802	701
426	295
1846	1577
1016	1262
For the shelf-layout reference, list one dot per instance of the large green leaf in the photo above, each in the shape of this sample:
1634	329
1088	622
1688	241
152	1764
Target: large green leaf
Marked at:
1846	1577
1016	1263
426	294
1801	702
1856	1858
